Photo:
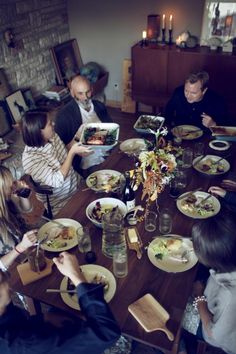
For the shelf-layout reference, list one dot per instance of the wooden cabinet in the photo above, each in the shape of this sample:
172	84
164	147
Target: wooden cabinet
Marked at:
158	70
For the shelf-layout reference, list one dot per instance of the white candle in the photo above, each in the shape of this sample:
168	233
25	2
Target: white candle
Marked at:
171	22
144	35
163	21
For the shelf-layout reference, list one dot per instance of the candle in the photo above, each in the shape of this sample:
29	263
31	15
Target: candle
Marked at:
163	21
171	22
144	35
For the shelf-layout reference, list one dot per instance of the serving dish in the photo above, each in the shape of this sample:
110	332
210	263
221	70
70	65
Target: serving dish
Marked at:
187	132
102	136
133	146
146	122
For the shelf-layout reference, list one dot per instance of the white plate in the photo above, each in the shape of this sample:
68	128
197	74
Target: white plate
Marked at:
150	118
132	146
224	163
102	178
200	196
50	227
180	129
219	145
168	263
89	271
100	126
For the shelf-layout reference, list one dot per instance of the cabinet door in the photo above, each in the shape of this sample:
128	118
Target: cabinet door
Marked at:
149	71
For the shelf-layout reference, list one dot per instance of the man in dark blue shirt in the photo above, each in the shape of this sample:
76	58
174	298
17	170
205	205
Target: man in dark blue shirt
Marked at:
196	104
19	334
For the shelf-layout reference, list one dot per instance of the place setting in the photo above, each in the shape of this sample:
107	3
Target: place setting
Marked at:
187	132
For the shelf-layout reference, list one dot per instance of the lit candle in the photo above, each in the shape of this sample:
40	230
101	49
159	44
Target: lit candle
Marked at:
163	21
144	35
171	22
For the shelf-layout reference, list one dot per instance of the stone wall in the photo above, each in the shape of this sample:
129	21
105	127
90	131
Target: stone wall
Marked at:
37	25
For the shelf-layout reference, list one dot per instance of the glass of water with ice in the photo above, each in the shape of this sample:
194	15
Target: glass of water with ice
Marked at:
165	221
120	263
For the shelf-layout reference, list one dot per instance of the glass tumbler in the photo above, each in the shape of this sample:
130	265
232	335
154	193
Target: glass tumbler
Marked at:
113	236
187	158
84	239
165	221
198	149
120	263
36	259
150	221
178	184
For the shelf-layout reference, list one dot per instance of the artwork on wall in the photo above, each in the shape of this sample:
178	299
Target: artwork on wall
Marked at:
219	22
16	105
29	100
67	60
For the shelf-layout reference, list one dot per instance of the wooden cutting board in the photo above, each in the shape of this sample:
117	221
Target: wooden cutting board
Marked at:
28	276
151	315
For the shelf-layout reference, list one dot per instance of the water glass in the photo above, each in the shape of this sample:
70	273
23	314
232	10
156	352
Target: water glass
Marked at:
113	236
187	158
165	221
120	263
84	240
178	184
36	259
150	221
198	149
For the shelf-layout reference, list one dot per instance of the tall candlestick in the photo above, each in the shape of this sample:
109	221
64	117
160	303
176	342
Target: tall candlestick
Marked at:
144	34
163	21
171	22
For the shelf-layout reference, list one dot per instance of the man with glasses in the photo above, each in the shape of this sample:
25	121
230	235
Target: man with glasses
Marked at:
196	104
82	109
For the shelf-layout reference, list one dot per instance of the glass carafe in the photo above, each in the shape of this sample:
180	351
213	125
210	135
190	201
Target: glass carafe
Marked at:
113	237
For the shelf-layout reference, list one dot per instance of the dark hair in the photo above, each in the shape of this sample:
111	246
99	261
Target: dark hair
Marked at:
201	76
31	125
214	242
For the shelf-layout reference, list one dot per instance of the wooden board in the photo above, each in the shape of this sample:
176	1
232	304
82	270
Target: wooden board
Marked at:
151	315
27	276
127	105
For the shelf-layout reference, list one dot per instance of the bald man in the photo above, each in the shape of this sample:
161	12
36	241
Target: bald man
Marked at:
79	111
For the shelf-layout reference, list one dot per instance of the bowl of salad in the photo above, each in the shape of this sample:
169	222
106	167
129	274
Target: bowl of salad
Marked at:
102	136
96	209
145	124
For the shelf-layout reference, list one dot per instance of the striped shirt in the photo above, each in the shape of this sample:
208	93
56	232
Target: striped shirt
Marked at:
43	165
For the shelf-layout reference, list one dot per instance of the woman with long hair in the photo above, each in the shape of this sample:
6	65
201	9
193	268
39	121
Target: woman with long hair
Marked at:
14	239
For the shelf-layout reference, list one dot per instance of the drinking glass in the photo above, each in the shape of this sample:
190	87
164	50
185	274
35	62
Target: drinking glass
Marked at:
113	236
187	158
178	184
84	239
150	221
36	259
198	149
165	221
120	263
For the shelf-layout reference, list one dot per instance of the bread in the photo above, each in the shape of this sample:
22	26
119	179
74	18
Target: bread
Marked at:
173	244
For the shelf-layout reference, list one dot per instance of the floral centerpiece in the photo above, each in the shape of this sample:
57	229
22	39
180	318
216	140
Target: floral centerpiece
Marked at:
155	169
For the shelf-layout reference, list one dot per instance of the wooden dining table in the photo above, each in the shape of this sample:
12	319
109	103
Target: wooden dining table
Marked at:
171	290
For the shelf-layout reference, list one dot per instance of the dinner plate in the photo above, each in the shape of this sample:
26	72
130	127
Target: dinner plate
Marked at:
105	180
194	213
181	132
52	228
219	145
172	261
208	160
89	271
132	146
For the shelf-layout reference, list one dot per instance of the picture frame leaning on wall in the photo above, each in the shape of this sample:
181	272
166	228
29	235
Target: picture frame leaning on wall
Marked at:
67	60
16	105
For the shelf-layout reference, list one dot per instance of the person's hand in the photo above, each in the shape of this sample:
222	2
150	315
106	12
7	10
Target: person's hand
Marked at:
214	190
229	185
207	121
198	288
68	265
28	240
83	151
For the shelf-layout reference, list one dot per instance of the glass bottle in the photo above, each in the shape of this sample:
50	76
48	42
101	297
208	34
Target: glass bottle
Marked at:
128	194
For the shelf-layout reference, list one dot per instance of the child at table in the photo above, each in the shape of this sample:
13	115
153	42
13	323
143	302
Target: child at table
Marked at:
214	242
13	236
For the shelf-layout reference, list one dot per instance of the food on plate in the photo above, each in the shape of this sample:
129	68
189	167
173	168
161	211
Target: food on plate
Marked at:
166	247
97	136
106	182
211	166
99	210
58	236
148	122
191	199
198	208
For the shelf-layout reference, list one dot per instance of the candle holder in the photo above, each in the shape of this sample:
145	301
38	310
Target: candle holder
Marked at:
170	37
163	39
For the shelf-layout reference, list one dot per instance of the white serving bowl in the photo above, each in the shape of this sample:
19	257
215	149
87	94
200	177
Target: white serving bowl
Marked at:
108	202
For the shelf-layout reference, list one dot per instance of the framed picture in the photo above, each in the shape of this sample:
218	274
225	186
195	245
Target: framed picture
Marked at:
5	125
16	105
219	22
67	60
29	100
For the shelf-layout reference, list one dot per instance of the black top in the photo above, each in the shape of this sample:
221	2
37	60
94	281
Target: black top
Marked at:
69	120
179	111
19	334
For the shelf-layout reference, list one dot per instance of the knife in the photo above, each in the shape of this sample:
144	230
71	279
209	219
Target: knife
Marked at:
61	291
198	160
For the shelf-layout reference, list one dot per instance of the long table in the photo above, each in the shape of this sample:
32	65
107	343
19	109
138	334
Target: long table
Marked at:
170	289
